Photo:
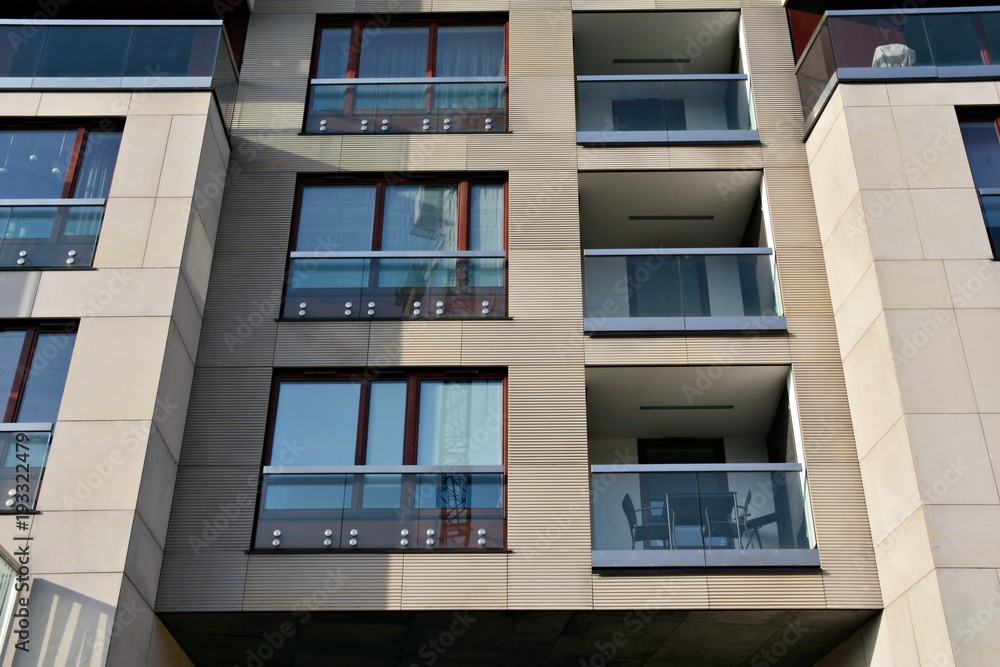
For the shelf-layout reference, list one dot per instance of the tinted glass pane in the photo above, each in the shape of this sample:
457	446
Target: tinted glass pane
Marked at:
470	51
173	51
82	221
305	492
461	423
336	218
382	491
47	378
393	52
334	49
420	217
386	424
11	343
316	423
97	166
34	163
983	148
30	222
486	218
18	52
953	39
91	51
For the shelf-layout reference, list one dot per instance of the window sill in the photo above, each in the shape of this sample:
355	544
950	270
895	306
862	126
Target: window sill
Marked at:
702	558
647	138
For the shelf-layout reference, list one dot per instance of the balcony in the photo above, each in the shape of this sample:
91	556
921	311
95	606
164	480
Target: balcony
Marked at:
405	508
726	290
664	253
895	45
384	284
25	450
652	109
407	105
49	234
648	78
696	467
140	55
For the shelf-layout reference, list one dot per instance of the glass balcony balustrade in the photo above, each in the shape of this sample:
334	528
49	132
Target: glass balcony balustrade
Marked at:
410	508
681	290
409	105
50	234
709	515
25	450
705	108
883	45
362	285
119	54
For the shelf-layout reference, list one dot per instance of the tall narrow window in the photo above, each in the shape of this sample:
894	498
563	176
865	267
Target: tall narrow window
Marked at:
416	75
379	249
981	135
34	362
54	184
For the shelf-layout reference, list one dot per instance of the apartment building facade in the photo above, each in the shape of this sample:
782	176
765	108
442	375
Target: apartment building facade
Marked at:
493	334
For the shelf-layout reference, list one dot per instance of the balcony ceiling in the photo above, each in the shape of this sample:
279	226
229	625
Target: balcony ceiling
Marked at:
656	638
703	37
607	199
615	395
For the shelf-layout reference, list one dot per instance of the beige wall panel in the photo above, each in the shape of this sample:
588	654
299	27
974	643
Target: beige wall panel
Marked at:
931	147
832	113
623	157
304	6
726	350
134	620
187	317
635	352
463	5
535	580
189	103
84	104
124	231
404	152
957	539
606	5
19	104
179	175
858	313
541	103
174	391
99	540
321	581
541	44
835	179
322	344
961	592
520	343
210	581
392	6
17	292
543	210
950	93
140	157
454	581
213	509
547	424
415	343
226	420
269	152
108	293
766	591
716	157
651	592
159	474
521	150
546	285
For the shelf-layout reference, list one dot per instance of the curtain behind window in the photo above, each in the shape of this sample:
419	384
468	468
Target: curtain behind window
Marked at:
334	48
336	218
419	217
470	51
393	52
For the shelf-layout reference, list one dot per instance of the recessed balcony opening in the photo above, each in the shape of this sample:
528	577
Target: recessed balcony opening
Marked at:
677	253
661	77
696	467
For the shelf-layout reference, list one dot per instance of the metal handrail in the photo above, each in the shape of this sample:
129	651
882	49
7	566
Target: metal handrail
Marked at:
619	252
699	467
381	470
377	254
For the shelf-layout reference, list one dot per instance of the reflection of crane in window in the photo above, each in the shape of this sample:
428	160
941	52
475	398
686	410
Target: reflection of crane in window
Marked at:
455	420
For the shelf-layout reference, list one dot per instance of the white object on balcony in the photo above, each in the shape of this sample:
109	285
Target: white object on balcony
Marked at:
894	55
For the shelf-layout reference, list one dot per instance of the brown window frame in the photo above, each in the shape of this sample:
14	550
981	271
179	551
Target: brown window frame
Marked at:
433	23
390	302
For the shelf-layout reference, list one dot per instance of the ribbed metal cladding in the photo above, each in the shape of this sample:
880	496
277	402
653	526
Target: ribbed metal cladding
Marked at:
613	5
653	592
303	6
227	416
630	351
836	496
538	103
324	581
767	591
454	581
322	344
541	45
211	580
516	151
213	508
416	343
553	577
544	210
401	152
271	151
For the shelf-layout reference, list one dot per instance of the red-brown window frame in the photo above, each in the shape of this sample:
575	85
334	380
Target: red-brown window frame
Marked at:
28	347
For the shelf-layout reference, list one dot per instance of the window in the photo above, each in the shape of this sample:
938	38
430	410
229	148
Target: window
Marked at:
34	361
981	135
54	183
417	75
368	248
384	460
